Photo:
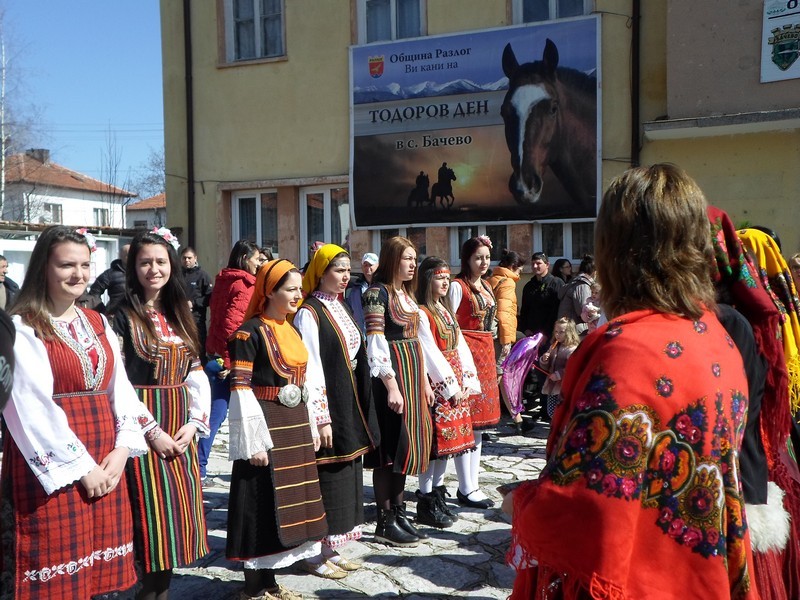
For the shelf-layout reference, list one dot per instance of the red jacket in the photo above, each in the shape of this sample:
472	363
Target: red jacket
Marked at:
229	299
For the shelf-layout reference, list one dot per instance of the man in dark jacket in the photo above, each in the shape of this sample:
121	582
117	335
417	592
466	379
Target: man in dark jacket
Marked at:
538	315
198	289
539	299
8	287
112	280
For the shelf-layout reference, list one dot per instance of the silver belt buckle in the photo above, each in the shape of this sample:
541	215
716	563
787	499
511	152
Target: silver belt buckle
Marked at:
290	395
353	364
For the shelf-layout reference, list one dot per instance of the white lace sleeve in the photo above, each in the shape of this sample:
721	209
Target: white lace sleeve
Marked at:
443	379
37	425
200	404
249	433
307	325
455	294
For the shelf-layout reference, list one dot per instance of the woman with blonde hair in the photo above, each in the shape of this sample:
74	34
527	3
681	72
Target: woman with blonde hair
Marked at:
400	386
640	496
275	512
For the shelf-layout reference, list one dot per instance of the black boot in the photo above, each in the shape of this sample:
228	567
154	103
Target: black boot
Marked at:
389	532
402	521
429	512
441	492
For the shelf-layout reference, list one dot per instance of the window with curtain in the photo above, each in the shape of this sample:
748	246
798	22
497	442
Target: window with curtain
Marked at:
553	239
256	219
582	239
385	20
254	29
498	234
529	11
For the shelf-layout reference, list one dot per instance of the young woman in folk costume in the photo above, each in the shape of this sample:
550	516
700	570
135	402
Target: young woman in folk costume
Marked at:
161	352
401	389
275	511
71	423
475	308
451	370
340	398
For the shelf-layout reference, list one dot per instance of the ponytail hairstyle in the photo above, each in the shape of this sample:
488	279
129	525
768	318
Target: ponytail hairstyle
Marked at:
174	301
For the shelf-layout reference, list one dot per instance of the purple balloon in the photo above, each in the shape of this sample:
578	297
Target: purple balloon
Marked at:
516	366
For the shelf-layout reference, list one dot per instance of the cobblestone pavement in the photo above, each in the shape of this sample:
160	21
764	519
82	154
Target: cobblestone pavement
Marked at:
466	560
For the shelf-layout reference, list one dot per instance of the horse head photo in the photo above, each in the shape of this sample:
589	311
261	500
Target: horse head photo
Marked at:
550	118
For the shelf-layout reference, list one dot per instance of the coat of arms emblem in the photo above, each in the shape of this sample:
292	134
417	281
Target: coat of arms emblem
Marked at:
785	42
376	66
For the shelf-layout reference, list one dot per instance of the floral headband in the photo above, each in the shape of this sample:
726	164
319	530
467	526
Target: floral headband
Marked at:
484	239
90	239
168	236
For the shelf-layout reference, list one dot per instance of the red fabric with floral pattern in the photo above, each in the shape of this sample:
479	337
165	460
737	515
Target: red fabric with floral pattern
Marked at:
640	497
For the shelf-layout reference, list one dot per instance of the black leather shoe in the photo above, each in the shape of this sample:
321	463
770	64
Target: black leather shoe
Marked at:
388	530
405	524
489	437
465	501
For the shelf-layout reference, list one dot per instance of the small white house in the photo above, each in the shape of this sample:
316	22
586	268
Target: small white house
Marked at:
39	191
147	213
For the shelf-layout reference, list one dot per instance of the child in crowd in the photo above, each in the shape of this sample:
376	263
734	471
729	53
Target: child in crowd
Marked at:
592	313
554	361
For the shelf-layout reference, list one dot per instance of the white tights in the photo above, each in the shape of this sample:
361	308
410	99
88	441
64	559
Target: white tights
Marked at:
434	476
467	468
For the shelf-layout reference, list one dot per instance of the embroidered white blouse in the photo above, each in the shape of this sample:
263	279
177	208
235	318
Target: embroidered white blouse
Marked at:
440	372
306	323
378	354
39	426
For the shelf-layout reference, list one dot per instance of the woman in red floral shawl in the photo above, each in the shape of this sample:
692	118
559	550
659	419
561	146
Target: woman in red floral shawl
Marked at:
641	496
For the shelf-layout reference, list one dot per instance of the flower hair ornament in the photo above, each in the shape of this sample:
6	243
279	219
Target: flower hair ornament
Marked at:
168	236
484	239
90	239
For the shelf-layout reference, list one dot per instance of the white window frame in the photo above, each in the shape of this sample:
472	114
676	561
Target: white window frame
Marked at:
229	27
54	208
455	246
566	249
362	20
516	10
96	212
327	217
236	197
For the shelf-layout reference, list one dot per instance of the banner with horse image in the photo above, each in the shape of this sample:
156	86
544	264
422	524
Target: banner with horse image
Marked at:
498	125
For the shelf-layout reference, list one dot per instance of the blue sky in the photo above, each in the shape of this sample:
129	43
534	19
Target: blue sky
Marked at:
93	67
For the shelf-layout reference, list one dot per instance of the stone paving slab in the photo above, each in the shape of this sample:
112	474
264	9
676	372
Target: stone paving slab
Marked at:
466	560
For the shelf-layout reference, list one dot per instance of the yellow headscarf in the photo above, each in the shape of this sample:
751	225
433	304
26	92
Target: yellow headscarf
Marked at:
778	280
269	274
319	262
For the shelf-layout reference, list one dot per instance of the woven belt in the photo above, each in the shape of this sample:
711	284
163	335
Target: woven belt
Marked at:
266	392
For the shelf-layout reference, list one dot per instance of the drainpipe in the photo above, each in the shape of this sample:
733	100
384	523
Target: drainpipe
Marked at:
635	81
187	51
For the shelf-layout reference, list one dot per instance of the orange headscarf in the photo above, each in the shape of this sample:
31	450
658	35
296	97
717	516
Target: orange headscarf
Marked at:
268	276
292	350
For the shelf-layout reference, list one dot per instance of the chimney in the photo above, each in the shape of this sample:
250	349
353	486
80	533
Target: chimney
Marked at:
40	154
